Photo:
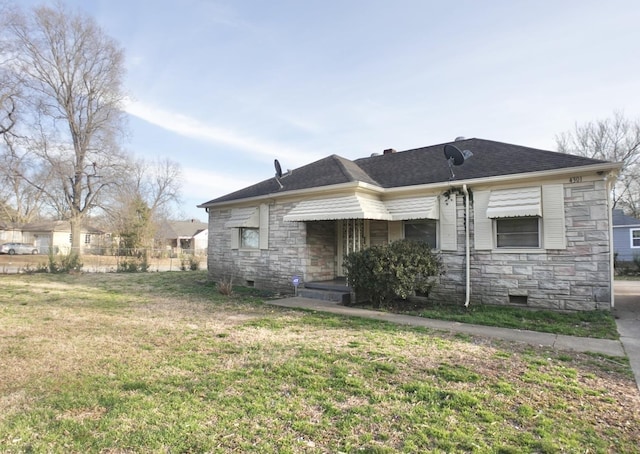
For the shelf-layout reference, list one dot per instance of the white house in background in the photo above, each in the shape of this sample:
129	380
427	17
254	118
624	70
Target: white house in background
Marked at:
514	225
56	236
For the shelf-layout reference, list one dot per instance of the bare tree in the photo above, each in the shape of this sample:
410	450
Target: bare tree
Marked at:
144	199
71	73
9	88
20	202
614	139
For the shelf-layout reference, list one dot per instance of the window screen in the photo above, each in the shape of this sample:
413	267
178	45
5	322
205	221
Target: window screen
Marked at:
421	230
249	238
518	232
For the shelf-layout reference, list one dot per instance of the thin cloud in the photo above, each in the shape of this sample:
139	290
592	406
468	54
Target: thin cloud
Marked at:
209	185
190	127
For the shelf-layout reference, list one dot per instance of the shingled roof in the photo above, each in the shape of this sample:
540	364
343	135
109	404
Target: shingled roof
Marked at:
622	220
425	165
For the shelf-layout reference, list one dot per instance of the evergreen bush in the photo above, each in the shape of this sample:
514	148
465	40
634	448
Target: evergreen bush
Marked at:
382	274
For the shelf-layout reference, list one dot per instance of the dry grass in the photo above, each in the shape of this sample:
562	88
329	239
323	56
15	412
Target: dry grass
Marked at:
162	362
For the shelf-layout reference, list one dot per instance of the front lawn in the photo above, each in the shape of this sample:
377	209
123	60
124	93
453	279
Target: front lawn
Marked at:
161	362
598	324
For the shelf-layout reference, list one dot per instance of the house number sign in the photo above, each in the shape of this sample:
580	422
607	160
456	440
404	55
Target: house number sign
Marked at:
575	180
295	280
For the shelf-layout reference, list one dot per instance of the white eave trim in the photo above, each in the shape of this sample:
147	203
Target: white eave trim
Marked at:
433	187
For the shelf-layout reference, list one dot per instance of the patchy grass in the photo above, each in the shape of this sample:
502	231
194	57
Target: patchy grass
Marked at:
161	362
598	324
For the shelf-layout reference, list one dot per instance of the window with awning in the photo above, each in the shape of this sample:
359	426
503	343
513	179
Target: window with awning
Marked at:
244	217
513	203
249	227
413	208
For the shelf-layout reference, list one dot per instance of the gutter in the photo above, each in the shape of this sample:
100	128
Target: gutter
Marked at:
467	248
378	190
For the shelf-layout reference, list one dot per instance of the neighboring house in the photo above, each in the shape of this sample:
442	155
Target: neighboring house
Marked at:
190	236
514	225
56	236
9	233
626	236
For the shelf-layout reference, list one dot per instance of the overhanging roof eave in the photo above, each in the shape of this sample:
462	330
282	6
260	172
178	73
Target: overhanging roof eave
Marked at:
359	185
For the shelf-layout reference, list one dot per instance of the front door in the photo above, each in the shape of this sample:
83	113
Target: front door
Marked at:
353	236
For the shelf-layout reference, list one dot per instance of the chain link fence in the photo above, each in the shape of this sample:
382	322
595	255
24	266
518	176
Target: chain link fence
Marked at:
107	261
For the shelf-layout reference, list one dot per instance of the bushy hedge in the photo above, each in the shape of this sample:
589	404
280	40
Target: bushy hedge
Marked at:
382	274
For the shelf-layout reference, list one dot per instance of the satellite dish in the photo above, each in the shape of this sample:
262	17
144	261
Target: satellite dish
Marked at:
276	164
455	157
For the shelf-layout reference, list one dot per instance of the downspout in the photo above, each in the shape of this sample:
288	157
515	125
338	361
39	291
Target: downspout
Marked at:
467	247
609	187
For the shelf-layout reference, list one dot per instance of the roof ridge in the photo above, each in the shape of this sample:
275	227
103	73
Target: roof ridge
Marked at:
345	163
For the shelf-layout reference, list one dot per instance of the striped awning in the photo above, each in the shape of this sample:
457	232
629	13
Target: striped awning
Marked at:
510	203
345	207
244	217
415	208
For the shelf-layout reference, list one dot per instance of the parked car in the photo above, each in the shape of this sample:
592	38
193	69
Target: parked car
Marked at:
18	248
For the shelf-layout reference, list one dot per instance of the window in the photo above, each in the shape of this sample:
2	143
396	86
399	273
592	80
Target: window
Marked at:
249	238
87	239
521	232
421	230
635	237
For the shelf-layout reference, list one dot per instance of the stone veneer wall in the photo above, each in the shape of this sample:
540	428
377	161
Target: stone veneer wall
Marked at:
321	241
288	253
575	278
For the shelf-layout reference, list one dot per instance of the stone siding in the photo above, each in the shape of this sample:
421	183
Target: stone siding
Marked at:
299	249
575	278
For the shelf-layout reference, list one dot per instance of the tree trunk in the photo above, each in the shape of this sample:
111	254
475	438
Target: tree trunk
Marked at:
76	235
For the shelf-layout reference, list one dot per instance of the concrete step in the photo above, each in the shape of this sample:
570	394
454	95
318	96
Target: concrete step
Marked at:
339	296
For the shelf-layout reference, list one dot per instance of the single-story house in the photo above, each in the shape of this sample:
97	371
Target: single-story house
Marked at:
626	236
10	232
190	236
514	225
56	236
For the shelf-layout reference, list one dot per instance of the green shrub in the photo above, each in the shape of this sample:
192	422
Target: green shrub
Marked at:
64	263
381	274
134	264
189	262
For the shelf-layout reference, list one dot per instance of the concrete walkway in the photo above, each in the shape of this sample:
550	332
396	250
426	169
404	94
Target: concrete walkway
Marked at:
626	311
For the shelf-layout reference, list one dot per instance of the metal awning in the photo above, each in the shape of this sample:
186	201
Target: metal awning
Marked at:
509	203
414	208
345	207
244	217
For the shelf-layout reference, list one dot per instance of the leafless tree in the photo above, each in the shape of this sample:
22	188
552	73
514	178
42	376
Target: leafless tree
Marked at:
71	75
614	139
20	202
147	195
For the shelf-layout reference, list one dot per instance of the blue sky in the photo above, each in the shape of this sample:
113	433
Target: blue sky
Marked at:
226	87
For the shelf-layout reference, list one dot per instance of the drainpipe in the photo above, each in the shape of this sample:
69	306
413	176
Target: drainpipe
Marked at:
609	188
467	248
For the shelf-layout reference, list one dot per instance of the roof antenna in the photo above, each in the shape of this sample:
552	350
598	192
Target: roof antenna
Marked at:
455	157
276	164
